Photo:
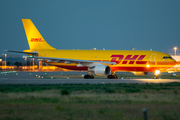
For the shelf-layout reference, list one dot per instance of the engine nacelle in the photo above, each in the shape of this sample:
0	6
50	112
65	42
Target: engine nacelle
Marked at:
140	73
100	70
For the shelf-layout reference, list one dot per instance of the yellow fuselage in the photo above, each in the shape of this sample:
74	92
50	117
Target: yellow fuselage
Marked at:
126	60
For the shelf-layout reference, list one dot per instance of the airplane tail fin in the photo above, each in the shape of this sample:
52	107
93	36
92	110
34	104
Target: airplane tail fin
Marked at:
34	37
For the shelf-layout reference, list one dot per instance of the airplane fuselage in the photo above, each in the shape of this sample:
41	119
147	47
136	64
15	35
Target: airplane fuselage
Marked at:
126	60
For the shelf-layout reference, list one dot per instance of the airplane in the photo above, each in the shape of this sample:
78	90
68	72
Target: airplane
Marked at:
100	62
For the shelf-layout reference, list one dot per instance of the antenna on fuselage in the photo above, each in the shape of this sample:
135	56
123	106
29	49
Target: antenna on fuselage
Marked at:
132	48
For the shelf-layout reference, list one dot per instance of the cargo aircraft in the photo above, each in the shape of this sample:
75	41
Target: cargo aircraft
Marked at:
100	62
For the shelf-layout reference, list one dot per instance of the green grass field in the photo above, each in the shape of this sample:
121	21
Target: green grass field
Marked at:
90	101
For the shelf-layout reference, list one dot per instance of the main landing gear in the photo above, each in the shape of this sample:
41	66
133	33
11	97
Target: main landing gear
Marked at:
113	76
89	76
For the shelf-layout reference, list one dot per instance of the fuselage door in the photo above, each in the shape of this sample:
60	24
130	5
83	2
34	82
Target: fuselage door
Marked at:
153	57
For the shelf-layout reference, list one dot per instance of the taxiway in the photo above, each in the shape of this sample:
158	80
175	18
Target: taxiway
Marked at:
29	78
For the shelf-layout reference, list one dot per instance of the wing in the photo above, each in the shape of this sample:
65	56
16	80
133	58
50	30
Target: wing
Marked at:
81	63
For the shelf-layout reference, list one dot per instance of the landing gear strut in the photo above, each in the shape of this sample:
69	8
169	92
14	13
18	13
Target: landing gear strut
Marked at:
156	77
157	72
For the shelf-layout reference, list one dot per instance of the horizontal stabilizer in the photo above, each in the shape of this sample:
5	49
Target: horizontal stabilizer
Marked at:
31	53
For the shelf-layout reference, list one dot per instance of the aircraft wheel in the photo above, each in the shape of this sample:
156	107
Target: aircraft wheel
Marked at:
88	76
112	76
85	76
109	76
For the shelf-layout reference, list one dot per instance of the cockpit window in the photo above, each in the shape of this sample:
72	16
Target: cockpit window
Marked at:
167	57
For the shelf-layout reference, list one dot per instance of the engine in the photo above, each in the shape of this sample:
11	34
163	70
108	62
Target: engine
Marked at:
140	73
100	70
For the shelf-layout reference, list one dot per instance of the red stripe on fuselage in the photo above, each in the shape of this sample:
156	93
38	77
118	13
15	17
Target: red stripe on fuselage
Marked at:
151	63
118	68
145	69
72	67
131	62
124	62
141	62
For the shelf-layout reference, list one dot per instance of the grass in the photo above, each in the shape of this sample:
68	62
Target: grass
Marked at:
98	88
89	102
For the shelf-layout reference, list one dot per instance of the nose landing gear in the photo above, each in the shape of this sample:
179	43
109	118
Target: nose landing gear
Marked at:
157	72
156	77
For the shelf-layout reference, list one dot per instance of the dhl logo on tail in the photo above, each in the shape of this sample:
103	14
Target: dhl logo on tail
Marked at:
37	40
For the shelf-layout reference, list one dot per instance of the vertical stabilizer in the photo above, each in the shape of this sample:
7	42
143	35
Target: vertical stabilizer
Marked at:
34	37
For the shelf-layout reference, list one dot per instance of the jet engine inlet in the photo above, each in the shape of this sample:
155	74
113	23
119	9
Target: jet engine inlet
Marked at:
100	70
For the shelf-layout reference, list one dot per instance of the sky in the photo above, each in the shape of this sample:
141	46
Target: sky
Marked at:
88	24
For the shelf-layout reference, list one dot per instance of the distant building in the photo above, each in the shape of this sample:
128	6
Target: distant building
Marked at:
177	57
177	66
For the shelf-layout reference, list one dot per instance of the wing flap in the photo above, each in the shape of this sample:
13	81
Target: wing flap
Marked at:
77	61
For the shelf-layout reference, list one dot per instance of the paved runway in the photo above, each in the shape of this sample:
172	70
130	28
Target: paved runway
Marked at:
80	81
29	78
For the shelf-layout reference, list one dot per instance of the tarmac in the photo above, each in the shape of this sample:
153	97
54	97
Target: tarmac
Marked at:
30	78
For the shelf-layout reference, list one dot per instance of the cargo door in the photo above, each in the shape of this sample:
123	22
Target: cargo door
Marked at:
153	58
